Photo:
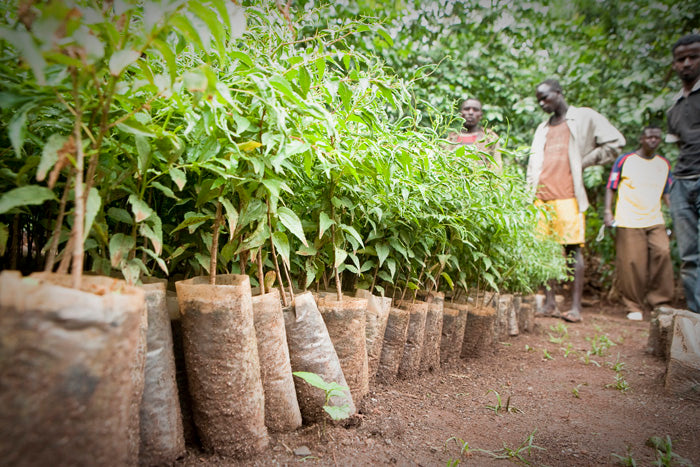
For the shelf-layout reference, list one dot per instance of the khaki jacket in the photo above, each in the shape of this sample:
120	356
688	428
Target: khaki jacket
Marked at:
593	141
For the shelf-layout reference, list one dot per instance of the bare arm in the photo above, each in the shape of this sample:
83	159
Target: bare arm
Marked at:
608	217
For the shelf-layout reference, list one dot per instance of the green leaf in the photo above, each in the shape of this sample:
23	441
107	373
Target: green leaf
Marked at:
143	148
135	127
4	236
94	203
338	412
189	221
29	195
391	264
256	239
153	231
291	221
17	129
122	59
120	215
165	190
231	216
312	379
307	251
157	258
279	239
323	223
140	209
339	256
351	230
49	155
204	260
448	279
31	54
178	177
119	247
383	251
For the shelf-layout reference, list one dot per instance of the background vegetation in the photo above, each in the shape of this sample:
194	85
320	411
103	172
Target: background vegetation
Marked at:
305	136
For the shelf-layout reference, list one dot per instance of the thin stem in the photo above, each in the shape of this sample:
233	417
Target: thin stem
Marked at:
374	278
274	256
261	274
215	244
56	235
79	215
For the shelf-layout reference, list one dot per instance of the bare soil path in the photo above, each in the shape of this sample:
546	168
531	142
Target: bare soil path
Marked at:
578	394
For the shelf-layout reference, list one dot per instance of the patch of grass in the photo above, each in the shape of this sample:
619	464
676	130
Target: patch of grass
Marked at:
561	333
664	452
576	390
499	407
620	383
547	356
568	350
600	343
627	460
587	359
618	366
516	454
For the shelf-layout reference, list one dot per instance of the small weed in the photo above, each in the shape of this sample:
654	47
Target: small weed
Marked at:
664	452
569	349
546	355
516	454
561	333
599	344
575	390
587	359
618	366
464	450
627	460
529	349
498	407
620	384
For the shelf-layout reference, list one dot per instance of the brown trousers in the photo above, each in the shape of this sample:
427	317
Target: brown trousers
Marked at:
644	269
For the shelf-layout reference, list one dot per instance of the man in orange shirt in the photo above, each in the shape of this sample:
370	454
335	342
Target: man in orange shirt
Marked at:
572	139
643	261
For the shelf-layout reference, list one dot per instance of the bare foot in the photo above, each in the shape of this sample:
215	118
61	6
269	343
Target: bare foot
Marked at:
572	316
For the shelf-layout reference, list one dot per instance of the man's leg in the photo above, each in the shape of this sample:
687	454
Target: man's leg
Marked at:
631	266
574	253
685	204
660	267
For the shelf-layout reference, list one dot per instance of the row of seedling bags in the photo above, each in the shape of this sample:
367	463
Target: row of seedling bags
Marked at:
120	375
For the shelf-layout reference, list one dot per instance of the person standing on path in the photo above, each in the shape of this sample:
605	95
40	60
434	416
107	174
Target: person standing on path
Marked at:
572	139
683	120
643	253
473	134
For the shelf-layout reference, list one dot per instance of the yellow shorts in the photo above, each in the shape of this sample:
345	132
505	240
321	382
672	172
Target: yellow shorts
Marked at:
564	222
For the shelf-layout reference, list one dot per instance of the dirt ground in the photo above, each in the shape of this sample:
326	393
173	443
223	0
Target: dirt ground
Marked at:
577	395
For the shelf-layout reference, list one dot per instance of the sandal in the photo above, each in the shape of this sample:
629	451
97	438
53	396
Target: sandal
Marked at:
571	317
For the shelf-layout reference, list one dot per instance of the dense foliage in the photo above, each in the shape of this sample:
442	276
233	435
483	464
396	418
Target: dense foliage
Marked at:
180	138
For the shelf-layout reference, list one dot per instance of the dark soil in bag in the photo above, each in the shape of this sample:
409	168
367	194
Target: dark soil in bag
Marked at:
223	370
430	355
413	349
345	321
479	333
375	327
454	322
281	406
393	344
162	436
71	370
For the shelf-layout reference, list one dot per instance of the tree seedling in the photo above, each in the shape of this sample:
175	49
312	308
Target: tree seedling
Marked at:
330	389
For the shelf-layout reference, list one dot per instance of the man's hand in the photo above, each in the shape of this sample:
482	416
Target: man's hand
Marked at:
609	219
